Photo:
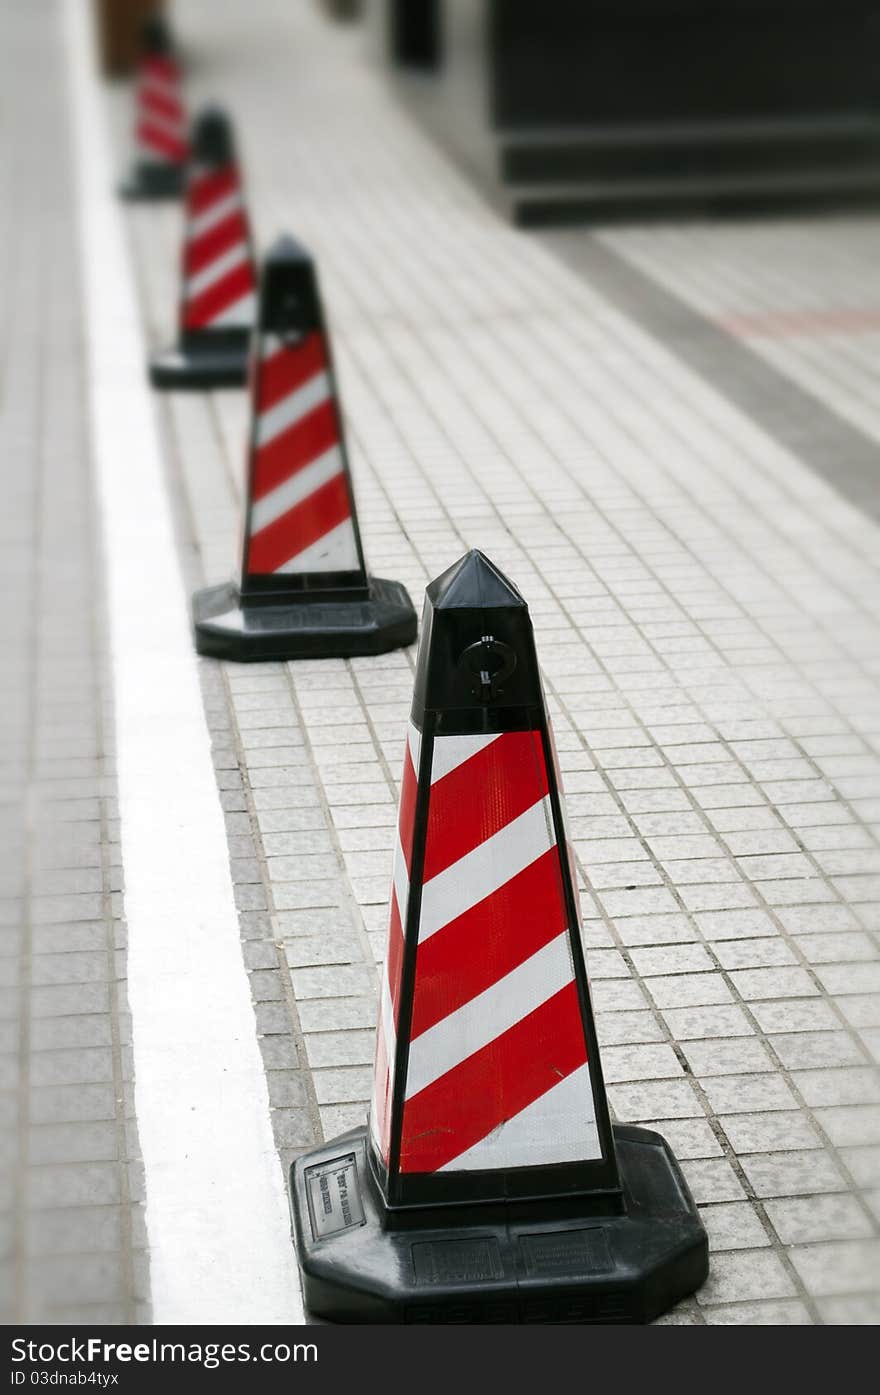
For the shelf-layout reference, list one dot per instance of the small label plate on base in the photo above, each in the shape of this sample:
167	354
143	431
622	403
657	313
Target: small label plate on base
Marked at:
334	1196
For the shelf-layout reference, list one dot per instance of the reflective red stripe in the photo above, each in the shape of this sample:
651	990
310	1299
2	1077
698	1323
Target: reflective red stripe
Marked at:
217	298
405	829
154	138
494	1084
301	526
408	790
203	250
295	448
206	189
161	121
161	67
478	948
395	955
289	368
483	795
161	104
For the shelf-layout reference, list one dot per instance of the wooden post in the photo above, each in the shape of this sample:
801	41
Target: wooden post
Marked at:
119	32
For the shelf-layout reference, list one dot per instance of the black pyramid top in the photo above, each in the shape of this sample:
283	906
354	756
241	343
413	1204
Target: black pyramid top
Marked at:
212	142
477	650
474	583
289	299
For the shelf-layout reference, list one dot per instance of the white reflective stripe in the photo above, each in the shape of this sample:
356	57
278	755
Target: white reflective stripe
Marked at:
452	751
386	1017
161	86
414	736
271	345
292	408
400	873
292	492
558	1127
489	1014
486	868
386	1031
216	270
374	1117
401	882
335	552
241	315
171	125
215	213
374	1112
380	1080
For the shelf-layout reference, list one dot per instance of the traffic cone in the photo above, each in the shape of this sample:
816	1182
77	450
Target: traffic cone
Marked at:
489	1185
160	120
218	302
304	590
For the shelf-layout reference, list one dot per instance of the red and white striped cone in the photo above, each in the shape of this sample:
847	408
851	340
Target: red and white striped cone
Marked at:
304	590
160	137
489	1184
218	302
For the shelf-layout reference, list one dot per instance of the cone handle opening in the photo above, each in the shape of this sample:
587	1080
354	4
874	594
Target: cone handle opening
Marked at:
491	662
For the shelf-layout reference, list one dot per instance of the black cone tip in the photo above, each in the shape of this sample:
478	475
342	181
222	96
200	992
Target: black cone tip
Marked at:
475	583
477	650
212	142
156	37
289	299
286	251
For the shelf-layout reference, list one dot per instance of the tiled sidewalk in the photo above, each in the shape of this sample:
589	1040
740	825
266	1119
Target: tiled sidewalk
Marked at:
71	1223
805	297
706	612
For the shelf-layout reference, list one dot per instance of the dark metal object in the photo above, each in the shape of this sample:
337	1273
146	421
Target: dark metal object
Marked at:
568	110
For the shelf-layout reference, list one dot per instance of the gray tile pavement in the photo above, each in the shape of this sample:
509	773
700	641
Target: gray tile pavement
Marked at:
71	1220
706	610
659	279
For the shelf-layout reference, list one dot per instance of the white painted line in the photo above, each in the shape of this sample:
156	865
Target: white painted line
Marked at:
216	1213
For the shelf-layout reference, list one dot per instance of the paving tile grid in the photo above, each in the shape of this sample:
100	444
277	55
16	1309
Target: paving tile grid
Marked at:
71	1216
803	296
706	613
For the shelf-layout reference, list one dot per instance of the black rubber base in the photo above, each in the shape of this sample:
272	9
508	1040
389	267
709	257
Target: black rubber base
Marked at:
192	367
303	629
148	183
586	1268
